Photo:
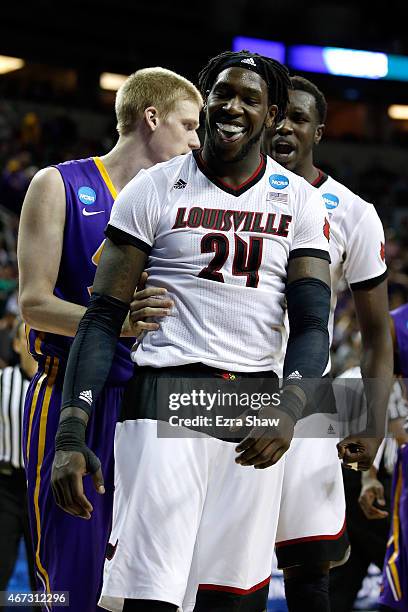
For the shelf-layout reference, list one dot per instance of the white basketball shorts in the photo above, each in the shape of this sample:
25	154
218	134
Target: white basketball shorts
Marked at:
187	519
312	513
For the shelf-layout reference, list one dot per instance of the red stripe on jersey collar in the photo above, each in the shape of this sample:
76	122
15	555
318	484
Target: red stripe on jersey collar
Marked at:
320	179
237	191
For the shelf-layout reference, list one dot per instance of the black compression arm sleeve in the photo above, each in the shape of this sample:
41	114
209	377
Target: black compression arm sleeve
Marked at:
307	353
92	351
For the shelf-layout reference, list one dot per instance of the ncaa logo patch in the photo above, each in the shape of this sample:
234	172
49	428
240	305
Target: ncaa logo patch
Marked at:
87	195
331	200
278	181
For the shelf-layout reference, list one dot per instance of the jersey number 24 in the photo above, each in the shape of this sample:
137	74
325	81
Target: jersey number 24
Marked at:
246	260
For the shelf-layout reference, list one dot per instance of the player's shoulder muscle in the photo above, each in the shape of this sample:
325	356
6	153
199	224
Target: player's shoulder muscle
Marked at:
45	198
42	217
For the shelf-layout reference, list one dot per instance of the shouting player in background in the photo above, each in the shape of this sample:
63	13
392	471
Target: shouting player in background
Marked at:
192	523
60	242
308	543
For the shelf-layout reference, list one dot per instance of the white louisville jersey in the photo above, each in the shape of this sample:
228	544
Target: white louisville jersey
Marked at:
357	242
222	254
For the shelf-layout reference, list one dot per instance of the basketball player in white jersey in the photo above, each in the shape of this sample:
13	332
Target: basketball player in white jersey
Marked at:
308	542
193	522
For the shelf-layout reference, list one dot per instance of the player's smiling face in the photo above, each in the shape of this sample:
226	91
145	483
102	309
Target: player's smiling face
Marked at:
237	111
291	142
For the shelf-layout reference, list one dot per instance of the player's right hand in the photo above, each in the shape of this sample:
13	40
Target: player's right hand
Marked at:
372	492
68	470
358	449
148	302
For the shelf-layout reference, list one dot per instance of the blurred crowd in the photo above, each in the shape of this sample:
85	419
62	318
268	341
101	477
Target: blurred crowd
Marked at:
28	143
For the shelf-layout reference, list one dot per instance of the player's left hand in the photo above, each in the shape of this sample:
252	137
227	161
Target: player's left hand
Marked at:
147	302
358	450
264	446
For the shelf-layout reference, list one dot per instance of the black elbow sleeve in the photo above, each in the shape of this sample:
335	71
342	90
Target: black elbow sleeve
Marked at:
92	351
307	354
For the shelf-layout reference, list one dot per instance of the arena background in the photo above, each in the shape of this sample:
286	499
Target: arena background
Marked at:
53	108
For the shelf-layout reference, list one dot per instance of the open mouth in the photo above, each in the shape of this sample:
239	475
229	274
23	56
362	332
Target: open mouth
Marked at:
283	149
230	132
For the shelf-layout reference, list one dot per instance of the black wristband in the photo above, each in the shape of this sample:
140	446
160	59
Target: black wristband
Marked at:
71	437
291	404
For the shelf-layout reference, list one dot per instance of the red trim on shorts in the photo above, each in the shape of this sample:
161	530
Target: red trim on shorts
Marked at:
336	536
218	587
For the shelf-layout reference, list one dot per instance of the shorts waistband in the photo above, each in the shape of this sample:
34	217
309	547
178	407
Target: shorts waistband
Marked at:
199	369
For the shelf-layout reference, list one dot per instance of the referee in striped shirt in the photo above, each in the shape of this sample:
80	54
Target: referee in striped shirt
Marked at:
14	381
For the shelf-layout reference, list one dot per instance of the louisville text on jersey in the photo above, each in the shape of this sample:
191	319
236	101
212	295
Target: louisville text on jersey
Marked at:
239	220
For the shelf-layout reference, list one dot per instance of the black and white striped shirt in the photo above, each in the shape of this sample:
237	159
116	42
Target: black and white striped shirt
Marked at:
13	389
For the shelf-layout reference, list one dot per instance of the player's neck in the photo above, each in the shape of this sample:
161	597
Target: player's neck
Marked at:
232	173
124	161
308	171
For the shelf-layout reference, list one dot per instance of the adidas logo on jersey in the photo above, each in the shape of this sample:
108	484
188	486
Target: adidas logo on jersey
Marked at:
86	396
294	374
180	184
331	429
248	60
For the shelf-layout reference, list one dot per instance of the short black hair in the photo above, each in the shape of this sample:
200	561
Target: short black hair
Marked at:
302	84
276	76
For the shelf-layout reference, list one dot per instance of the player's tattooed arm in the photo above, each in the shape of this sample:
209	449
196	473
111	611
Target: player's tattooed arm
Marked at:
119	271
308	267
87	369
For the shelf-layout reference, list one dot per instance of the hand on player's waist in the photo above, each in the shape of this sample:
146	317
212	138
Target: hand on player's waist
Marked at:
146	303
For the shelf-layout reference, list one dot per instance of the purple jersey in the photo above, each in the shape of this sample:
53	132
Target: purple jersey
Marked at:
394	593
400	316
89	199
